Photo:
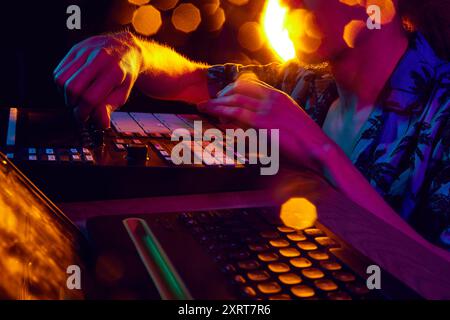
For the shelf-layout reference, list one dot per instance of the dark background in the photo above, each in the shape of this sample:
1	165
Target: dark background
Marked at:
34	38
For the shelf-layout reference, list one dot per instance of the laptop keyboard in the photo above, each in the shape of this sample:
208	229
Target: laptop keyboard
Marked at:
265	260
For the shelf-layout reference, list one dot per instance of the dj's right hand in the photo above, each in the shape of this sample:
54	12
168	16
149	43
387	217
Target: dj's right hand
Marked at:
98	74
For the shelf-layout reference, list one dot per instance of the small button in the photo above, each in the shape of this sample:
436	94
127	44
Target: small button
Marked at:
137	141
258	275
51	158
303	291
279	243
298	236
280	297
76	157
285	229
269	234
258	247
164	153
319	255
313	232
49	151
89	158
306	245
249	265
74	151
269	287
279	267
290	278
325	285
32	157
249	292
158	146
86	151
229	268
120	141
313	273
301	262
289	252
344	276
268	256
32	150
326	242
339	296
120	147
10	155
330	265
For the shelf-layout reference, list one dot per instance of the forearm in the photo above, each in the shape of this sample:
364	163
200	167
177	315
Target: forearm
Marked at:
165	74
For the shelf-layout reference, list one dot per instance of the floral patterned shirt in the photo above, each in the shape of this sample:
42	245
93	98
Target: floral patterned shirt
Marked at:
403	149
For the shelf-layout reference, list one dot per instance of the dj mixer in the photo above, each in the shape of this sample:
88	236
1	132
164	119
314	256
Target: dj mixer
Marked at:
70	162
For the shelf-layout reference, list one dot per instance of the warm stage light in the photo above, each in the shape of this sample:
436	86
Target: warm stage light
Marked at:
250	36
186	17
147	20
274	27
238	2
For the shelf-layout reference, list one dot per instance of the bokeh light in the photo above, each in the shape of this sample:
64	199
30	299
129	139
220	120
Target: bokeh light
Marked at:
210	6
298	213
139	2
164	5
238	2
147	20
352	31
216	20
250	36
273	20
186	17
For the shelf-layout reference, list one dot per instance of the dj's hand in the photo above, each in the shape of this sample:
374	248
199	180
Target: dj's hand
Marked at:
257	105
97	75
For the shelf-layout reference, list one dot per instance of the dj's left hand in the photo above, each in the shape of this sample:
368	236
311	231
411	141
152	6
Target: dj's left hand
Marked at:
257	105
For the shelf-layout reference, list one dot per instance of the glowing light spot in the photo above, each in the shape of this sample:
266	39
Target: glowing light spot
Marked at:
352	31
164	5
186	17
353	2
387	9
250	36
298	213
139	2
238	2
216	20
211	6
147	20
303	30
273	21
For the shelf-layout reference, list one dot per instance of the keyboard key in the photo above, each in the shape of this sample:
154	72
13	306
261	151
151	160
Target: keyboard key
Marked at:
258	275
303	291
51	158
76	157
289	252
269	287
285	229
279	267
32	150
49	151
358	288
258	247
279	243
319	255
326	242
249	265
301	262
269	234
313	273
344	276
280	297
32	157
306	245
248	292
339	296
330	265
298	236
290	278
268	256
229	268
314	232
89	158
325	285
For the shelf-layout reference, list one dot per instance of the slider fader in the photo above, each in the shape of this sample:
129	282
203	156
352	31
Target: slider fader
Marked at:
131	159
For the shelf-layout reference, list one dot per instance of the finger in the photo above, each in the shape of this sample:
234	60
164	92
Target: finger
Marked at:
236	114
70	68
235	100
246	87
101	116
68	58
119	96
85	77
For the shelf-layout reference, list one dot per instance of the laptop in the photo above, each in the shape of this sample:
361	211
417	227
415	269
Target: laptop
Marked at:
224	254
